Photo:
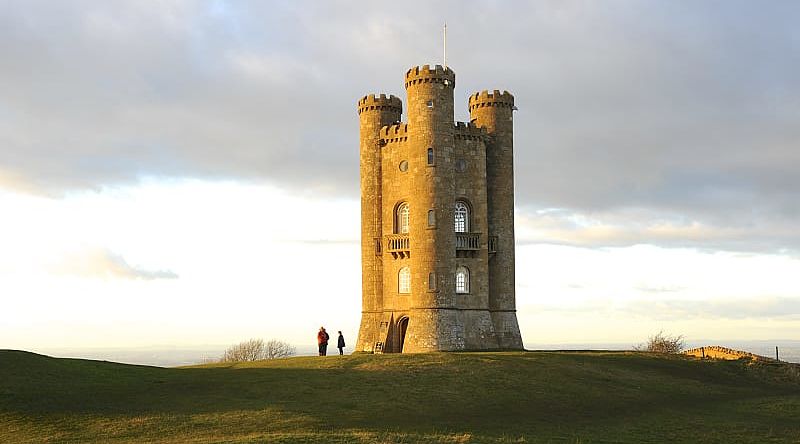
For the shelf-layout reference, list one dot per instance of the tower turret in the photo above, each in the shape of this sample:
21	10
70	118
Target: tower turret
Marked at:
430	121
494	112
374	111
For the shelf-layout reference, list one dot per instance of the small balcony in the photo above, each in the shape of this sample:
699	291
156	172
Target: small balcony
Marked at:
398	245
468	241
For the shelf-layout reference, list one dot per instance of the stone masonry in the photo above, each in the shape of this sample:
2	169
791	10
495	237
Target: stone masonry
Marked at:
413	247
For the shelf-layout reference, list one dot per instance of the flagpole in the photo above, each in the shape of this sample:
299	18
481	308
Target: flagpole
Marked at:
445	46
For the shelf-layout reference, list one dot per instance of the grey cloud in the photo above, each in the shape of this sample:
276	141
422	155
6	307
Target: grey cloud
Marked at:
762	308
779	308
637	114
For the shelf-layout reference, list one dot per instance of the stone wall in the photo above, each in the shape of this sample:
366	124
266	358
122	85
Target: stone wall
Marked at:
719	352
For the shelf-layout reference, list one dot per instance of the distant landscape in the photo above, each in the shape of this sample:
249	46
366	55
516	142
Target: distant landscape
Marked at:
166	356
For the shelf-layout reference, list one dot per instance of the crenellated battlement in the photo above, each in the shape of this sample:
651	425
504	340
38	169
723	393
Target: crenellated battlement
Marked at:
424	74
495	98
380	102
394	133
469	131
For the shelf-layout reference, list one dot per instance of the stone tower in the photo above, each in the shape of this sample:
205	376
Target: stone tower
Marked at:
437	220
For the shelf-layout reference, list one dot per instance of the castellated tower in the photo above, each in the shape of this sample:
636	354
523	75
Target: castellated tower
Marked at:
437	220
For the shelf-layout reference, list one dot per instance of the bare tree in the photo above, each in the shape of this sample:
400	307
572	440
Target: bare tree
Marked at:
278	349
252	350
661	343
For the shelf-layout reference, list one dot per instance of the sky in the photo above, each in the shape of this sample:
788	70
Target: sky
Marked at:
186	172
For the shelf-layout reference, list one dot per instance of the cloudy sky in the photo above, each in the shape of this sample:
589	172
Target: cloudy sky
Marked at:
186	173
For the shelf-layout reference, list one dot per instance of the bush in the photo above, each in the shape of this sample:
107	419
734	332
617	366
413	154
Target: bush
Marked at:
256	350
661	343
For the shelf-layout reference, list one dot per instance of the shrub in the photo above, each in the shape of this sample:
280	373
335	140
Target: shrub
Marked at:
661	343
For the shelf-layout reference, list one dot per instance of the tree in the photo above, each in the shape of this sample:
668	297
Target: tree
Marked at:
257	349
661	343
279	349
251	350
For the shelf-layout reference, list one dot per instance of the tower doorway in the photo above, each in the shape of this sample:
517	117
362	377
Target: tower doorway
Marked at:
402	327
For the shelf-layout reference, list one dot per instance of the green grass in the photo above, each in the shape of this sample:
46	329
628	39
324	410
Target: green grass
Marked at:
532	397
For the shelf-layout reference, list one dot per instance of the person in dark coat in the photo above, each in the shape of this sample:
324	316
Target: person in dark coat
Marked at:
322	341
340	344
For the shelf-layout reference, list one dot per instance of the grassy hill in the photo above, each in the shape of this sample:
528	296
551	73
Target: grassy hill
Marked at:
533	397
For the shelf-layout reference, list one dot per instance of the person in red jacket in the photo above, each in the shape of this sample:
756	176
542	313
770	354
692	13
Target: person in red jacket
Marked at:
322	341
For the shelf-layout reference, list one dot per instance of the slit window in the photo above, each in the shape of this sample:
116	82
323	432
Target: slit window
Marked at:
430	156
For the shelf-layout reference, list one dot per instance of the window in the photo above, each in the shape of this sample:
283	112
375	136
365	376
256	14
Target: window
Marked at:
403	165
401	218
431	218
462	280
404	280
430	156
429	104
461	217
431	281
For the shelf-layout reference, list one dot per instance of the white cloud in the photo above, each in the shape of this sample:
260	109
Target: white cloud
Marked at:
104	263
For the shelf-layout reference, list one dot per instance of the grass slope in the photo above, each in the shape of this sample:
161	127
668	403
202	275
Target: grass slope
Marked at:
534	397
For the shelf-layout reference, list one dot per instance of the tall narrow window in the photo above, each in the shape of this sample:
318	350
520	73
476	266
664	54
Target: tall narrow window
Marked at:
431	218
461	217
430	156
401	218
404	280
431	281
462	280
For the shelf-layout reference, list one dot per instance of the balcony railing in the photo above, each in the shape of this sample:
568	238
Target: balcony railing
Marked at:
398	245
468	241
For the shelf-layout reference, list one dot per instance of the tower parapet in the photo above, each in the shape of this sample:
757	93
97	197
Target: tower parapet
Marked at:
426	74
496	98
394	133
374	102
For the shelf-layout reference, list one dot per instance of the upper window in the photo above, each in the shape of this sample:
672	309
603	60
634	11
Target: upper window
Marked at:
431	218
429	104
462	280
430	156
461	217
404	280
401	218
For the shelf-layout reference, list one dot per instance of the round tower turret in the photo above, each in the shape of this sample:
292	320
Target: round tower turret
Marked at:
494	112
374	111
430	150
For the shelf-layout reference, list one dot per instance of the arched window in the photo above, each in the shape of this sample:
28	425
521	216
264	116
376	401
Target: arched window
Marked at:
404	280
462	280
401	218
461	217
431	218
430	156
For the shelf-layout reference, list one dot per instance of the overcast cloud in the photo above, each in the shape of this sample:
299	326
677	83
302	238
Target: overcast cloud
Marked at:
671	123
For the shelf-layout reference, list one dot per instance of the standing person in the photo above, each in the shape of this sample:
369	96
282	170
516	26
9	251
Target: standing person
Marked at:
340	343
322	341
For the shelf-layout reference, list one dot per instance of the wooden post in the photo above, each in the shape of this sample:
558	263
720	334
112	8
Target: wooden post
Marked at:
776	353
703	351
